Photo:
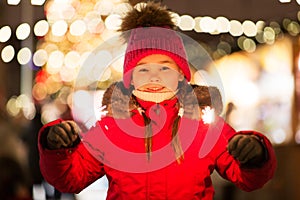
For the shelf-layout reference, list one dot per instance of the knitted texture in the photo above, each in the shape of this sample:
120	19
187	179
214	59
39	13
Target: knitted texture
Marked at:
145	41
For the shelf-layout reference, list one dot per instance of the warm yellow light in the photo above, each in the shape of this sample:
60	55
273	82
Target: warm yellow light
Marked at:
293	28
208	24
249	45
249	28
55	62
53	85
24	56
104	7
41	28
72	59
113	22
122	8
39	91
197	27
260	25
223	24
102	60
59	28
201	77
7	53
235	28
13	107
208	115
106	75
13	2
94	22
269	35
118	64
23	31
187	23
279	136
5	33
78	28
40	57
175	18
37	2
67	74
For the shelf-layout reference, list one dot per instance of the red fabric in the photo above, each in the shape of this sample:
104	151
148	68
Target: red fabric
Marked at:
113	148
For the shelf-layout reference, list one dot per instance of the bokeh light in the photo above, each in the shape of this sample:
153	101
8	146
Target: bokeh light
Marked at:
104	7
37	2
249	28
113	22
23	31
186	23
236	28
13	2
78	28
223	24
41	28
40	57
208	24
59	28
7	53
72	59
5	33
24	56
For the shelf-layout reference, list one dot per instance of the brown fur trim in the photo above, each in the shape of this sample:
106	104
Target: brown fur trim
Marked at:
119	101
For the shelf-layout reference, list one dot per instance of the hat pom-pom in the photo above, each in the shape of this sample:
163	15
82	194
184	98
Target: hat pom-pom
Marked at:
148	14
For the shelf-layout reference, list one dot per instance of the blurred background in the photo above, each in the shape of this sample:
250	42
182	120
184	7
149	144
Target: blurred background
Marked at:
254	45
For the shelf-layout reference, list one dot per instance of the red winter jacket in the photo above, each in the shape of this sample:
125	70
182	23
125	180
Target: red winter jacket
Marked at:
116	148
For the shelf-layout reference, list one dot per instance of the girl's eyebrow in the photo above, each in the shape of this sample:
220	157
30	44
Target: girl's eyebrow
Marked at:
160	62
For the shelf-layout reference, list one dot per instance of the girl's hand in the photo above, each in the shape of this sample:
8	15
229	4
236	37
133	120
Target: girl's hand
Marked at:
63	135
247	149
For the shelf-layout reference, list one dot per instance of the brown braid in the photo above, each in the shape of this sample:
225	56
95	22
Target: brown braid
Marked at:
176	141
148	135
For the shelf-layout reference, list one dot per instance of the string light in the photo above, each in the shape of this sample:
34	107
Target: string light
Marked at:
186	23
7	53
41	28
23	31
13	2
5	33
40	57
208	24
37	2
24	56
236	28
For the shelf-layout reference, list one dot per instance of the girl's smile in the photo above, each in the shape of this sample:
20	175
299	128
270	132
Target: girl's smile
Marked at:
156	73
153	88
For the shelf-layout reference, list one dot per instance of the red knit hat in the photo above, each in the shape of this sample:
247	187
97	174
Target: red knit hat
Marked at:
150	31
146	41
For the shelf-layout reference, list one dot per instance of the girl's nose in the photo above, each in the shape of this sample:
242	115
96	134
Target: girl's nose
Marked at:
154	77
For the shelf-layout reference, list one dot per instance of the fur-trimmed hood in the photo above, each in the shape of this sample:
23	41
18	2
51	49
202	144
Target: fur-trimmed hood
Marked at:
119	100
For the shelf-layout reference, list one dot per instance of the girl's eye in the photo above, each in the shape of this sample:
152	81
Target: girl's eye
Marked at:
164	68
143	70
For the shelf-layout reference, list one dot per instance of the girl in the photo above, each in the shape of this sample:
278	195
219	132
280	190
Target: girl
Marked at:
159	139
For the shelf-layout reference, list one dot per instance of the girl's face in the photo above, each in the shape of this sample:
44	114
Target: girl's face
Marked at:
156	73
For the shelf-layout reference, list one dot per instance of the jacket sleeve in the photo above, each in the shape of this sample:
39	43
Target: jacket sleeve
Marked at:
247	179
69	170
